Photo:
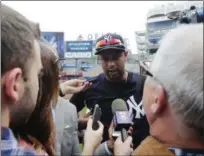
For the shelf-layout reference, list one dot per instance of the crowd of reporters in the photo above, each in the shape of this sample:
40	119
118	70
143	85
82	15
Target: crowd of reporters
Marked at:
36	120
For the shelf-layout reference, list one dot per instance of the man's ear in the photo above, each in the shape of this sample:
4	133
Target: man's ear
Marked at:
126	53
159	100
12	82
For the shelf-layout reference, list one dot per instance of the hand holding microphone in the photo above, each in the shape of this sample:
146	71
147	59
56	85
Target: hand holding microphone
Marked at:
96	117
94	132
123	148
92	138
122	122
119	129
121	119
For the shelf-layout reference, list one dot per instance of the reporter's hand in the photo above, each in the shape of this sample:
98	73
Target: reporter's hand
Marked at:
123	148
92	138
110	142
74	86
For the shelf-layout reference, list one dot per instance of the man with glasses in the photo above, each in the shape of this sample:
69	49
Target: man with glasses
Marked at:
114	83
173	95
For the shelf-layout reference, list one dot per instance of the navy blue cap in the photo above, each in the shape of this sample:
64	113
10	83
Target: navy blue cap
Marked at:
109	41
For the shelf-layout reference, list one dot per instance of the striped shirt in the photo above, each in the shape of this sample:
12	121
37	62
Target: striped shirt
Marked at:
10	147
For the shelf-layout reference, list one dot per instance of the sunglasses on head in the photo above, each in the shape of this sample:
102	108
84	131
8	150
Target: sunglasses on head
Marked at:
104	42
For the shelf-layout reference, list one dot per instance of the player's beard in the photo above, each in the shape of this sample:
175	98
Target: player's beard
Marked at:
115	74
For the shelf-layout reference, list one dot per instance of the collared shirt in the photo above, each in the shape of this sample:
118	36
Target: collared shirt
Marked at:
107	150
53	113
9	145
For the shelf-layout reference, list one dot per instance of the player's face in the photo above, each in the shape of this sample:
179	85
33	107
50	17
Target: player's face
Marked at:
113	64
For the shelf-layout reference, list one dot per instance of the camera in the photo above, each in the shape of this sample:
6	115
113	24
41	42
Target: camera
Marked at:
191	15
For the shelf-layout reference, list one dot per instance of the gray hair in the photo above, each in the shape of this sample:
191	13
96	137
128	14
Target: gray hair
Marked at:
178	65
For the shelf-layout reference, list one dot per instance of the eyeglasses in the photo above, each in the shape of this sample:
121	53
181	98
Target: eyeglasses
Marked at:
144	70
111	41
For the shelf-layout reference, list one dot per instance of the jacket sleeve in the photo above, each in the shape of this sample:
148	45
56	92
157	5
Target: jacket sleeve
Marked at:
70	142
102	150
75	150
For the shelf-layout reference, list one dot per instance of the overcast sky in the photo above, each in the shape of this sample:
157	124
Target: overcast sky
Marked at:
85	17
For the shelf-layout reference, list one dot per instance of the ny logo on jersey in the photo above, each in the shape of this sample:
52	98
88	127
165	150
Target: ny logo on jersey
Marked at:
108	38
137	107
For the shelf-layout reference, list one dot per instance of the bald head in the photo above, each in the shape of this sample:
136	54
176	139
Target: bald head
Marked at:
178	65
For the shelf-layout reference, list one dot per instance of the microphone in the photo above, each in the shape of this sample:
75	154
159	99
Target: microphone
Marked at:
96	117
121	119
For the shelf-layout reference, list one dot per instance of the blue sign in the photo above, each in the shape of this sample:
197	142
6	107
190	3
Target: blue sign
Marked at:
79	46
56	39
69	65
79	49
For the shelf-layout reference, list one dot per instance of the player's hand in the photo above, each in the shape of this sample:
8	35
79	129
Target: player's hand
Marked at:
82	120
123	148
74	86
